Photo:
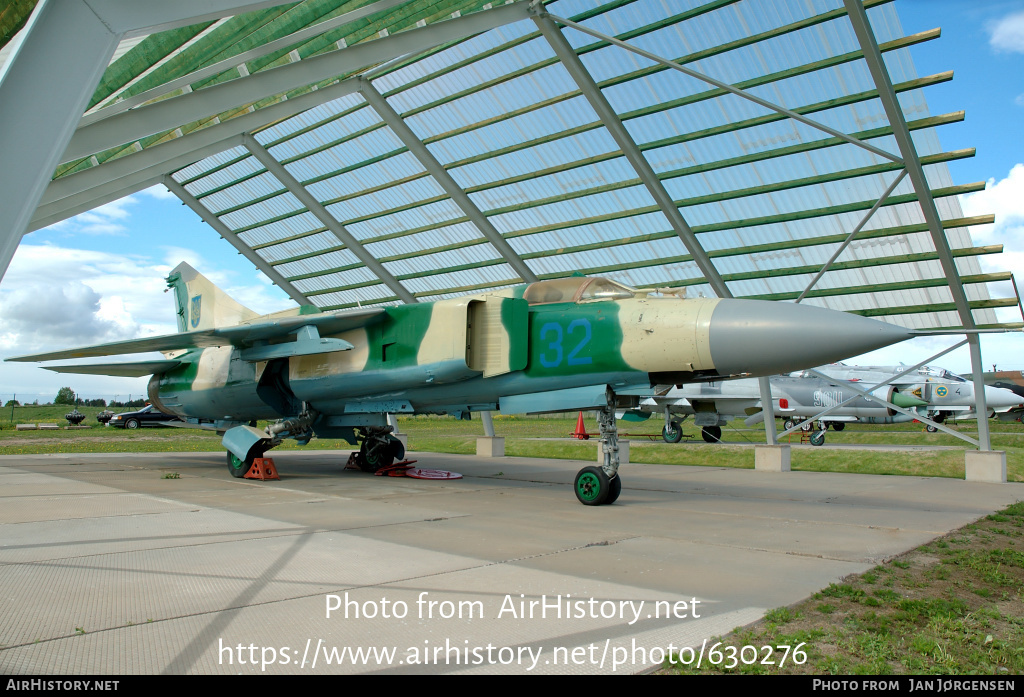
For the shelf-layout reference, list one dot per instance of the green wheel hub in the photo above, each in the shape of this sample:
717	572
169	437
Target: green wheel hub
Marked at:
588	487
592	486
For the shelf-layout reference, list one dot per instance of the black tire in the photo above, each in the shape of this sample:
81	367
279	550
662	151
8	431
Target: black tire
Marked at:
837	426
376	456
931	429
818	438
673	433
132	424
788	424
806	425
711	434
614	489
592	486
240	468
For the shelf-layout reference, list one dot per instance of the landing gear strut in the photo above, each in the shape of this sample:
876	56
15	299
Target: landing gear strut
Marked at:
596	486
673	430
378	448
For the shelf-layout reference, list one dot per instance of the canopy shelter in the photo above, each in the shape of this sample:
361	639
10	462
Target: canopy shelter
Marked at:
364	153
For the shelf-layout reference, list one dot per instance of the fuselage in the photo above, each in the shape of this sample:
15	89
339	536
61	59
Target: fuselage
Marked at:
469	353
453	355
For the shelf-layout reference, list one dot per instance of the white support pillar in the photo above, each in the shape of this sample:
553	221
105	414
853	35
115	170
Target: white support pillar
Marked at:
485	417
44	88
768	409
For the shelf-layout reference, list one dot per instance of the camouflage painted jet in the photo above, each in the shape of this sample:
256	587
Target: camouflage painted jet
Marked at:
565	344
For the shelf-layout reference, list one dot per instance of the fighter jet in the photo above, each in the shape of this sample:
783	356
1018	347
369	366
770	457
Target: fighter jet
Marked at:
1012	380
946	393
554	345
714	404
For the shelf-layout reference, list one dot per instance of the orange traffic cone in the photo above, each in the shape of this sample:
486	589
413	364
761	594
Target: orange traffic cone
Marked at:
581	430
263	469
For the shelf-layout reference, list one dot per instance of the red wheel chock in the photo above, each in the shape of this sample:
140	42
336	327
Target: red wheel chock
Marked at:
262	469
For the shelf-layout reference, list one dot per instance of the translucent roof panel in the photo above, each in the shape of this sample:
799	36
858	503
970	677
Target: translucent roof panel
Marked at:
490	162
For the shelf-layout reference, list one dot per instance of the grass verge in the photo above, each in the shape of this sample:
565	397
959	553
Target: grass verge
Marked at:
954	606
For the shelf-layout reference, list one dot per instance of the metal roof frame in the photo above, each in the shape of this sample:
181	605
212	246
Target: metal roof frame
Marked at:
389	151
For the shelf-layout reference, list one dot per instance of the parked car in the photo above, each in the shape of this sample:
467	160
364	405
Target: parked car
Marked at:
147	416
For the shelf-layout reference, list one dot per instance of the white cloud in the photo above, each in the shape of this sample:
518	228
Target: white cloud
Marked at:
1019	100
1007	34
160	192
108	219
1005	199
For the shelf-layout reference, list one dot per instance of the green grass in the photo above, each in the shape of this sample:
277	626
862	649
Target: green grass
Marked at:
547	437
951	607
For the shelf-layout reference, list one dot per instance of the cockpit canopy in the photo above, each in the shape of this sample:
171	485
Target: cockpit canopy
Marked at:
576	289
941	373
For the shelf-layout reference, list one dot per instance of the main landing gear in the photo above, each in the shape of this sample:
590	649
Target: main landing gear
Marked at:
596	486
377	448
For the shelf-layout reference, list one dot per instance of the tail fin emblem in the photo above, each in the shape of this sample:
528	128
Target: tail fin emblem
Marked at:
194	310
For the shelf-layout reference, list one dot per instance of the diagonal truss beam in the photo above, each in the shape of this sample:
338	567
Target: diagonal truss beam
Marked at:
625	141
729	88
894	113
172	113
405	134
316	208
75	193
849	238
117	107
866	393
906	412
225	232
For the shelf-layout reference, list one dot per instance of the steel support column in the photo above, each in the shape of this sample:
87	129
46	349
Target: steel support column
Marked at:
488	422
894	113
223	230
328	220
445	180
44	88
768	409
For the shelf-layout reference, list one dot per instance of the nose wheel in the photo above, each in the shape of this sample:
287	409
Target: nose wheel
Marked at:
594	488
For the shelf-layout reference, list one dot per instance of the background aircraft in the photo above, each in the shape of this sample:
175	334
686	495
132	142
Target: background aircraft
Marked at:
933	391
946	393
714	404
570	343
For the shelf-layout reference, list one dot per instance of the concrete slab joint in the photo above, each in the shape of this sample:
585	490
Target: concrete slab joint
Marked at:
490	446
772	458
985	466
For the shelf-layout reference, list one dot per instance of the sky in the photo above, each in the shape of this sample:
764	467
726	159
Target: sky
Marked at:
98	277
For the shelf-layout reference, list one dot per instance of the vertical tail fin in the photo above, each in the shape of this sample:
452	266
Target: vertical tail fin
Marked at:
202	305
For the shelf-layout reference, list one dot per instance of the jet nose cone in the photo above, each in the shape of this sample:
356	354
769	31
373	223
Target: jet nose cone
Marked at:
763	338
998	398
